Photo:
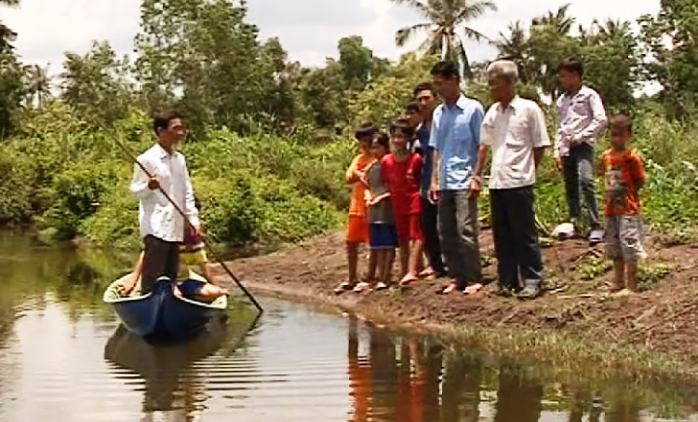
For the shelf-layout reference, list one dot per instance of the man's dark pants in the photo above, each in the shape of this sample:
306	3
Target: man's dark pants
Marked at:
459	229
161	258
516	237
578	172
432	243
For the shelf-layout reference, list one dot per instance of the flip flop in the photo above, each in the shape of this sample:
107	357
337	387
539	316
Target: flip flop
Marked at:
381	286
345	286
362	287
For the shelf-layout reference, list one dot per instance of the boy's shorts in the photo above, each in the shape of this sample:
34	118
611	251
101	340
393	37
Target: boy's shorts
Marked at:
193	257
624	237
383	236
409	228
357	229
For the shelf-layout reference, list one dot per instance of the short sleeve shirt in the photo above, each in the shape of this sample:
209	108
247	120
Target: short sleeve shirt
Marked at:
383	211
402	180
624	172
513	132
357	207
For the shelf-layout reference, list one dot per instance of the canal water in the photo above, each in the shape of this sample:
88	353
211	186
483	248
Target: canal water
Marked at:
63	357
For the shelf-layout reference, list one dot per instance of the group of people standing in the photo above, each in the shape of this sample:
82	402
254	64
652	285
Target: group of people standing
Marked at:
416	188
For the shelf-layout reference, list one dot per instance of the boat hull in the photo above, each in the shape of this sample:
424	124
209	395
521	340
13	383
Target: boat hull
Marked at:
160	314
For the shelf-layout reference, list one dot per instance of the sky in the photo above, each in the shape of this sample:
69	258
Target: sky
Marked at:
308	29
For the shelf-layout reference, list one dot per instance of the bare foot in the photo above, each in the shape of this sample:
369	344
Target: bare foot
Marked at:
472	289
177	293
623	293
428	272
408	279
449	289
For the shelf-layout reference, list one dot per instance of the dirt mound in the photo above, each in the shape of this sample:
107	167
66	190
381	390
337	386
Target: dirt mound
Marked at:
663	317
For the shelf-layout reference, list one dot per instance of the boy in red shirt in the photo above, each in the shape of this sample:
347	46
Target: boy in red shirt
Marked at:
624	176
401	172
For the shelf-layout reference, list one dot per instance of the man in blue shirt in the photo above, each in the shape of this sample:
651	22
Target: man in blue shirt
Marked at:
455	137
425	96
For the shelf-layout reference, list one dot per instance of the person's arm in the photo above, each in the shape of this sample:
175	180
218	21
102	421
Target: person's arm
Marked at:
189	204
560	130
598	119
141	184
435	144
638	171
486	135
353	175
380	198
539	135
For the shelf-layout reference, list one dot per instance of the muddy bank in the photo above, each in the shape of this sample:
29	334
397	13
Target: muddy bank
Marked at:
575	312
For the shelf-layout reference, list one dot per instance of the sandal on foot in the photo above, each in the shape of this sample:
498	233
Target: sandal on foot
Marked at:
406	281
362	287
381	286
345	286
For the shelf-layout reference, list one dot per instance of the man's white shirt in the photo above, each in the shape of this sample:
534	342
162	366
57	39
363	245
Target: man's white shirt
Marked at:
157	216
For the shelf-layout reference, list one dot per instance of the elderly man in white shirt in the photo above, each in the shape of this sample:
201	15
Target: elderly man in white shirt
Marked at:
582	118
514	129
162	226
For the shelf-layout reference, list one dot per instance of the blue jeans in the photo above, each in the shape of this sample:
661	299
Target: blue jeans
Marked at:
578	172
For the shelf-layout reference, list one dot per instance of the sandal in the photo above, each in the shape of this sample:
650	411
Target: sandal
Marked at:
381	286
362	287
345	286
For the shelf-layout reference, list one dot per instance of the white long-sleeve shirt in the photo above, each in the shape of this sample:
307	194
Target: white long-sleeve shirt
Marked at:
582	118
157	216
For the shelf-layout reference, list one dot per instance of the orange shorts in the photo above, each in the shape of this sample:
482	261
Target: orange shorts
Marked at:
357	229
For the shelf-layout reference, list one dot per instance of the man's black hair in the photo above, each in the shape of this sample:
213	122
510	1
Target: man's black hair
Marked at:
446	69
162	120
572	65
424	86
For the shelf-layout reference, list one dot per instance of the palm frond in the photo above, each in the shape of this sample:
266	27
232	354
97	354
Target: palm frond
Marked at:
423	9
474	10
403	35
472	34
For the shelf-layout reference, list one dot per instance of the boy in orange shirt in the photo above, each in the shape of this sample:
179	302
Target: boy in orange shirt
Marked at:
357	227
624	176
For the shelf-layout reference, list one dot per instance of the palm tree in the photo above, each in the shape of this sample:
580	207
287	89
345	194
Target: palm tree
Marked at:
559	20
446	27
6	34
39	86
514	47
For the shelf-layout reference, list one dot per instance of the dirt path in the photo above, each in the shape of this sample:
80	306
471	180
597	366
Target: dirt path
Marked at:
662	318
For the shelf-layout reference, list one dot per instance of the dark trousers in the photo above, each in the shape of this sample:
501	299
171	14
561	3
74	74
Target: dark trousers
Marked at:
578	172
161	258
459	230
432	243
516	237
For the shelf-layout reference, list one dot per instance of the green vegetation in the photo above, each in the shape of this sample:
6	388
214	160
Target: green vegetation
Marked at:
269	138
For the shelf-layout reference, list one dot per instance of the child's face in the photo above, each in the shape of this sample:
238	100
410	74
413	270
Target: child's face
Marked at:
413	117
378	150
399	140
620	137
365	143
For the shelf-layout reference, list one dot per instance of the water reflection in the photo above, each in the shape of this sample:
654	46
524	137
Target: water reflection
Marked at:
407	379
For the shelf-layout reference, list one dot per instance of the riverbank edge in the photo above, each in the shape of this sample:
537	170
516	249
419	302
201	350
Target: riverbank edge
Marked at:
562	351
606	357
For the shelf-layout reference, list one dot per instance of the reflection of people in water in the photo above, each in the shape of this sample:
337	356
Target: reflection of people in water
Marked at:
460	397
359	376
384	372
518	398
432	381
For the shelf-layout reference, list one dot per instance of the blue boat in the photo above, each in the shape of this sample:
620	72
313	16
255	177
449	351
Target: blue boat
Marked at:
160	314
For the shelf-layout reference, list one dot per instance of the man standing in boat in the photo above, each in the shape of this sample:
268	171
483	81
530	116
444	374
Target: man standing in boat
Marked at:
162	226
